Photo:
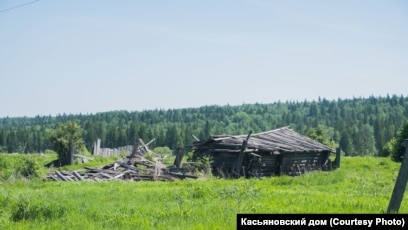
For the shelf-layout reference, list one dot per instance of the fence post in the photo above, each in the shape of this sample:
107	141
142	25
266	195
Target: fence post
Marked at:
400	184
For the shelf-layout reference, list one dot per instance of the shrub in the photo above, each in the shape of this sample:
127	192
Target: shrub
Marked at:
29	168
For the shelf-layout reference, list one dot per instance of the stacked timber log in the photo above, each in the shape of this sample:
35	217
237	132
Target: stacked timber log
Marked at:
129	168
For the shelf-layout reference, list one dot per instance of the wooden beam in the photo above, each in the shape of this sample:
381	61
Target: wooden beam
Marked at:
106	175
196	138
131	167
77	175
241	156
151	141
400	184
144	145
179	157
62	177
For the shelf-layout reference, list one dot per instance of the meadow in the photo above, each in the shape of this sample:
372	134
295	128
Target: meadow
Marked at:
361	185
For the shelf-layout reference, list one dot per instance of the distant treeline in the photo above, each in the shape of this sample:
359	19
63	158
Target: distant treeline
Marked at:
359	126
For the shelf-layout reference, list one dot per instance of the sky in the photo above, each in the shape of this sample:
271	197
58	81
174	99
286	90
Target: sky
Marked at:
95	56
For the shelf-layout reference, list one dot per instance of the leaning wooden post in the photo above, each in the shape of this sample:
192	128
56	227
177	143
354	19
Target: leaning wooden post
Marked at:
400	184
241	155
179	157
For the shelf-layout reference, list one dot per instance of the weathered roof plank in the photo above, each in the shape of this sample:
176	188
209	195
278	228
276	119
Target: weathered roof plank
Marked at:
282	139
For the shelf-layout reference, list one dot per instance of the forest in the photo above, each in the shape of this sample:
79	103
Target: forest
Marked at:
358	126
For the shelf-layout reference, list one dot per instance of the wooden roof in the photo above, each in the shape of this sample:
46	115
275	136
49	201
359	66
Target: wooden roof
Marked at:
275	141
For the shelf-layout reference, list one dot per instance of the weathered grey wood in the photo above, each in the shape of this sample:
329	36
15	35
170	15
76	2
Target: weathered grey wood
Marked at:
255	155
70	177
77	175
115	166
62	177
120	175
106	175
123	169
242	155
94	152
179	157
151	141
400	184
143	144
55	178
196	138
226	153
280	139
131	167
98	145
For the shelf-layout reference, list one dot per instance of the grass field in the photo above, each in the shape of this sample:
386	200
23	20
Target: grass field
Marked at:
361	185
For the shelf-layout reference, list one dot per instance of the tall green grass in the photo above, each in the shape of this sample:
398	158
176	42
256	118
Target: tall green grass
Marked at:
361	185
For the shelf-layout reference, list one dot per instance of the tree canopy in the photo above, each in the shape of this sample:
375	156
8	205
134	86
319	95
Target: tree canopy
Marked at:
359	126
396	146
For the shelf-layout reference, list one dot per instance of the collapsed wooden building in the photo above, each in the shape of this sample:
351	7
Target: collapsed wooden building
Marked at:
134	167
276	152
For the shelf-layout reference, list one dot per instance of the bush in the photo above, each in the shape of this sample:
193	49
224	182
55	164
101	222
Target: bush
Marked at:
29	168
389	148
163	151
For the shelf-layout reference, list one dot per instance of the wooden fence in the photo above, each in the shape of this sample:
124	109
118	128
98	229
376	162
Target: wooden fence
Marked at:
108	152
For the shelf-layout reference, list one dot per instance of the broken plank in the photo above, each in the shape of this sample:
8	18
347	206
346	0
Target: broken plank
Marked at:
59	174
77	175
106	175
131	167
55	178
120	175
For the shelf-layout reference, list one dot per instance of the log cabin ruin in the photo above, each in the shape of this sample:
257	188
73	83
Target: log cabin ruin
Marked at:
277	152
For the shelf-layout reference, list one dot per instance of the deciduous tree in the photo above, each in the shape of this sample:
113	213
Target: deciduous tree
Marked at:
66	138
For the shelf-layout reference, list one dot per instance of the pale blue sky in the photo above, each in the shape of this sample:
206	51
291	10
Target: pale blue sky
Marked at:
95	56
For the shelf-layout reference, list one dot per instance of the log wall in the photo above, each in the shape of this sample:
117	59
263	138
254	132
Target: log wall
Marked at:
293	164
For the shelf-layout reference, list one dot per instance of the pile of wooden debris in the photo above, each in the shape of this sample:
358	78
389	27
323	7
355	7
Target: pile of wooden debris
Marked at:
134	167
